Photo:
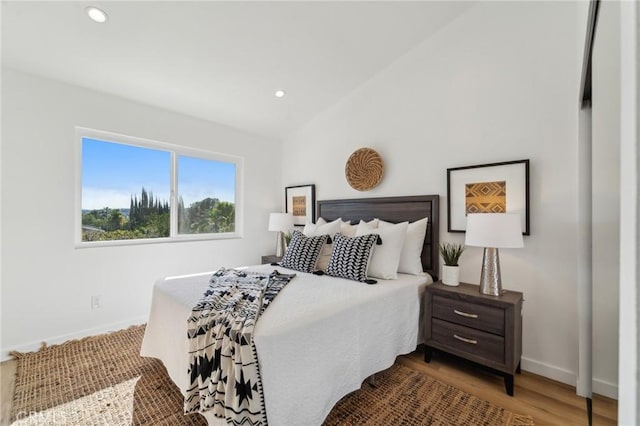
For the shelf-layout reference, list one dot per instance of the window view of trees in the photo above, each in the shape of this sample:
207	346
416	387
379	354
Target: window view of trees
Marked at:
146	217
206	216
128	189
207	211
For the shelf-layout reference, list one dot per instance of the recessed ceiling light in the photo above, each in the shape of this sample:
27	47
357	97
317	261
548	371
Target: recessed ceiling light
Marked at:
97	15
280	93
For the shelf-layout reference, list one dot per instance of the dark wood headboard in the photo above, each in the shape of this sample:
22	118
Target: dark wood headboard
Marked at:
395	210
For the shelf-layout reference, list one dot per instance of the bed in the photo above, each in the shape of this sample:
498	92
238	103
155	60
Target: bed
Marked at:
322	336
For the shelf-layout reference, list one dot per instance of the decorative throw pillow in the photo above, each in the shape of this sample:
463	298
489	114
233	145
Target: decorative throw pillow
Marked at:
386	257
321	227
410	257
350	257
303	252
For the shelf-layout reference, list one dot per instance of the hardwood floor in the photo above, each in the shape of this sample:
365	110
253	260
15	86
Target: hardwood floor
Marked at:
7	383
548	402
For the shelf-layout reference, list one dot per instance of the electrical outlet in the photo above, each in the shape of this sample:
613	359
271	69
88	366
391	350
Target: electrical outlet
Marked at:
96	302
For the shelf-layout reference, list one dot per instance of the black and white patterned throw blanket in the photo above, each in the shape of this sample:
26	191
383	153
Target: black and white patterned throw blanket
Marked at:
223	364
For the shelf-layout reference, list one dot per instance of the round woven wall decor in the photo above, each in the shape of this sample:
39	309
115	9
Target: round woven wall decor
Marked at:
364	169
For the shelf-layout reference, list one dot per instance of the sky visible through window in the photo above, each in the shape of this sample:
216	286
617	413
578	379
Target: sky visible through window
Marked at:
112	173
199	178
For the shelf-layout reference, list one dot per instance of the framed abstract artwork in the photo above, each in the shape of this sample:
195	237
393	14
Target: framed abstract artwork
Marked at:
301	202
488	188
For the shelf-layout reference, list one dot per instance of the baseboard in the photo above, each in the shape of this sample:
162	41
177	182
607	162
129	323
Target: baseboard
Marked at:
552	372
601	387
34	346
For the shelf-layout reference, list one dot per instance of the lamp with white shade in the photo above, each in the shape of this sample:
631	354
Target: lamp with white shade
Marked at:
493	231
280	223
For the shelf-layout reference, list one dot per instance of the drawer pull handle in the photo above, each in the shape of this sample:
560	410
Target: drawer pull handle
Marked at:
464	314
462	339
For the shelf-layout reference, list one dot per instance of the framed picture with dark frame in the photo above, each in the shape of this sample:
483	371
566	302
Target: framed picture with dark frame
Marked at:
487	188
301	202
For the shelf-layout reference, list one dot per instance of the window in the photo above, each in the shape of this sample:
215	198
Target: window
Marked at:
206	195
133	190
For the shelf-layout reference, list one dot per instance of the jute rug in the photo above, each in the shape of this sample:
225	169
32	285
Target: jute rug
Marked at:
103	381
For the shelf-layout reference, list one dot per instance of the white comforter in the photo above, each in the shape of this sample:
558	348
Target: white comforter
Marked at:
317	342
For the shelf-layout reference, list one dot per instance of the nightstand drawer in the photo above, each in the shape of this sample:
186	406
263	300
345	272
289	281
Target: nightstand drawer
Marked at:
468	340
480	317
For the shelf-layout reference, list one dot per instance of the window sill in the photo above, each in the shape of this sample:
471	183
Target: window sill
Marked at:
174	239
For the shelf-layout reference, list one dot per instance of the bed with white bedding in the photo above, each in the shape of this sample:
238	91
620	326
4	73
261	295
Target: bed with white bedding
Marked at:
322	336
319	339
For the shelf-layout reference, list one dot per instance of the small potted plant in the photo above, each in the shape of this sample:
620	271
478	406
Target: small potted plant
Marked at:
451	253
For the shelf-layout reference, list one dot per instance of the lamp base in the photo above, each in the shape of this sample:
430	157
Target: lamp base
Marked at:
490	279
280	244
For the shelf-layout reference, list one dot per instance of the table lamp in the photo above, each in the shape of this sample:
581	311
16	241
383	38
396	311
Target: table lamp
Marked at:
493	231
280	222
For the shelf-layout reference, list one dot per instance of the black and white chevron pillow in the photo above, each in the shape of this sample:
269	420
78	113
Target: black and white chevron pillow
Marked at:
350	257
303	251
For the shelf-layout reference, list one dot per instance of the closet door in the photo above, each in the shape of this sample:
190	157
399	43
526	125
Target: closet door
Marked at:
606	198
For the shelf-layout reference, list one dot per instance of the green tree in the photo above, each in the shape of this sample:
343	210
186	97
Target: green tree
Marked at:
116	220
197	218
223	216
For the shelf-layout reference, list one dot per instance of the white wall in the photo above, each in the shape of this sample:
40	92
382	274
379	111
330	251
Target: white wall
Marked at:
606	196
629	359
500	83
47	283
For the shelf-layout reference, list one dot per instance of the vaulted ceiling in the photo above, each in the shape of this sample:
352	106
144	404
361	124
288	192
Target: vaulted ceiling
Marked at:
221	61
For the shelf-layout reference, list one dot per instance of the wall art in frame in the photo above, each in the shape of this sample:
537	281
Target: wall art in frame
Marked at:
488	188
301	202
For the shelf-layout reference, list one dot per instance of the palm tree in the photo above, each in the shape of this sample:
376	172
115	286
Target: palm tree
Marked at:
223	216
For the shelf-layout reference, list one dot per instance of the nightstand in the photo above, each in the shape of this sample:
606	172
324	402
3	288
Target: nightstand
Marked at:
271	258
484	329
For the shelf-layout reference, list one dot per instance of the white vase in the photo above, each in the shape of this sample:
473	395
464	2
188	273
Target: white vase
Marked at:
450	275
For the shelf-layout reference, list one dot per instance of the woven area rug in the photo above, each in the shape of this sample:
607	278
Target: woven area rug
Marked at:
403	396
103	381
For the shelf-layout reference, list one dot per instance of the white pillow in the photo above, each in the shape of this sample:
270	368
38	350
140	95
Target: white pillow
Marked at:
367	226
310	227
348	229
386	257
410	260
321	227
